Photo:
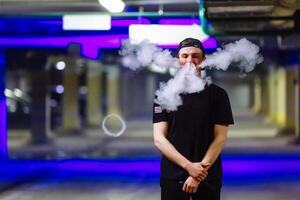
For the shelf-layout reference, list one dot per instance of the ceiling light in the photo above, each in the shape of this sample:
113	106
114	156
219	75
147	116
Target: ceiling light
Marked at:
113	6
60	65
86	22
59	89
165	34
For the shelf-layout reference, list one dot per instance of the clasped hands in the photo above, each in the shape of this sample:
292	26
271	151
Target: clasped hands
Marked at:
198	172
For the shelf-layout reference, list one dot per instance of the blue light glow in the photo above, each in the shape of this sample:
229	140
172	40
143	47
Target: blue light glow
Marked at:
237	170
3	121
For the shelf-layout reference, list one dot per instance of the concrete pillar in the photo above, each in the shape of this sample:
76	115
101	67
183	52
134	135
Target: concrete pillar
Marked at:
257	94
94	113
138	89
37	62
3	114
113	97
265	96
150	89
272	84
291	77
281	96
297	107
113	90
71	120
126	87
39	109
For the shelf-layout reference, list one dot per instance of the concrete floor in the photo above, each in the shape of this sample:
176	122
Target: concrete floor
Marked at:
136	142
53	190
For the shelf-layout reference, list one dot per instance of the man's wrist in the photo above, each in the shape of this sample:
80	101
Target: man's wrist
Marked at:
186	166
206	165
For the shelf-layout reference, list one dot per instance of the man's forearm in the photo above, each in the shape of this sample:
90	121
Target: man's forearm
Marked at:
216	146
213	152
169	151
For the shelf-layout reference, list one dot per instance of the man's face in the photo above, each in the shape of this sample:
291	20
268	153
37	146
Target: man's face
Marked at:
190	55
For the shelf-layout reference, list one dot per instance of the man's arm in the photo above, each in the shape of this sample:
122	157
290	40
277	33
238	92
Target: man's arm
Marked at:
160	131
215	148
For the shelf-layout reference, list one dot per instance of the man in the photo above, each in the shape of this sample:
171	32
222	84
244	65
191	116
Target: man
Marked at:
192	137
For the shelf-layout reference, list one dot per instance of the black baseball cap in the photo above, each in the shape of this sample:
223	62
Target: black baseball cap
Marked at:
191	42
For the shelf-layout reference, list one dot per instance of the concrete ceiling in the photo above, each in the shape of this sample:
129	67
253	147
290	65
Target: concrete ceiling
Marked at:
62	6
264	17
226	16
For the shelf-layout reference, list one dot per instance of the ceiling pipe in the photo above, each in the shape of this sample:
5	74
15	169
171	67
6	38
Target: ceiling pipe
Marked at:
122	14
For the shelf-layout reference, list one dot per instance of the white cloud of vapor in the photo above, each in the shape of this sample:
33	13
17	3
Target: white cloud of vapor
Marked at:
185	81
137	56
242	54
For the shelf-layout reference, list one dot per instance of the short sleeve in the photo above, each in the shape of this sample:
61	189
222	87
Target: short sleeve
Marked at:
223	112
159	114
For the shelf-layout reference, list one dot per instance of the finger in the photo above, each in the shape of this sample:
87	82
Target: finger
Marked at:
202	178
202	175
194	189
205	173
199	178
184	187
190	189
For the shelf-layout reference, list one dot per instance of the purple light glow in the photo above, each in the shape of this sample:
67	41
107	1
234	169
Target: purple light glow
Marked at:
3	128
209	43
90	44
90	51
109	41
128	22
179	21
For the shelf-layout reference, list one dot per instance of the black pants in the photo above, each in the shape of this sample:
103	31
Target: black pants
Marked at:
172	190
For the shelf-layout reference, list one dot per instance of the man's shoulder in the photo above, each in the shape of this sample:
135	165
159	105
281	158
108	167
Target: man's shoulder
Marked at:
217	89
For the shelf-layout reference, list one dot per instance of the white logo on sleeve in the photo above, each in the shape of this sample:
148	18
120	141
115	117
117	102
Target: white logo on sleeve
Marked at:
157	109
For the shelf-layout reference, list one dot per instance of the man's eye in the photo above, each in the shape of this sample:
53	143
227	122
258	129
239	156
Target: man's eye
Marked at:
184	56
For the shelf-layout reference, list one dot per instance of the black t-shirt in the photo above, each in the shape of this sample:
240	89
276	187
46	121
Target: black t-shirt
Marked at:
191	130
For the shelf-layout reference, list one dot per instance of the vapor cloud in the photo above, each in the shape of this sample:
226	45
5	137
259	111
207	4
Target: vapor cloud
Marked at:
185	81
137	56
242	54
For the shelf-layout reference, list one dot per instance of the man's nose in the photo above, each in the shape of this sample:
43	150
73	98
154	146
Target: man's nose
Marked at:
189	59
